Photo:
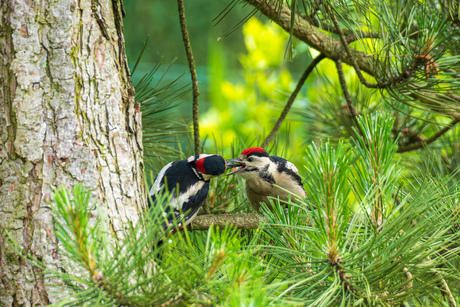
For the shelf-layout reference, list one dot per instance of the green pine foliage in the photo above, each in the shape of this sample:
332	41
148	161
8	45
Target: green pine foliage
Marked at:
359	238
365	235
220	269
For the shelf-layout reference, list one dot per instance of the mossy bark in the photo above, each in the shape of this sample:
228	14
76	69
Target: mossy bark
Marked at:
68	115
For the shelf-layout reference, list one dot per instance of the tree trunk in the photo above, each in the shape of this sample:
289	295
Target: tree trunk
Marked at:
68	115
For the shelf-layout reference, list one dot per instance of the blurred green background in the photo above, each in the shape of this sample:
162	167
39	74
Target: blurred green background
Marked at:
245	75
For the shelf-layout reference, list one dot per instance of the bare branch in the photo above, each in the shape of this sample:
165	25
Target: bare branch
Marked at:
430	140
292	98
191	63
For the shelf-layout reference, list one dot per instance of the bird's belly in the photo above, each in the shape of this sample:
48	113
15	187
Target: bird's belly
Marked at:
259	191
274	190
260	186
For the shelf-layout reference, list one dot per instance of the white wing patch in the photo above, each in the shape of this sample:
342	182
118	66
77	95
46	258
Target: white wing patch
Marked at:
292	167
183	198
190	159
156	185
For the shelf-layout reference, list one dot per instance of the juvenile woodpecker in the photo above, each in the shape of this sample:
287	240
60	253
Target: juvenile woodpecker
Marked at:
188	184
267	176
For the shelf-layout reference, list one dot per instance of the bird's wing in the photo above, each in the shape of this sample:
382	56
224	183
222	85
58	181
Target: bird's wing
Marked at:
159	179
287	167
187	206
177	173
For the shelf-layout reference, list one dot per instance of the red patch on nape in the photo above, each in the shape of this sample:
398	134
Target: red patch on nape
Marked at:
251	150
199	164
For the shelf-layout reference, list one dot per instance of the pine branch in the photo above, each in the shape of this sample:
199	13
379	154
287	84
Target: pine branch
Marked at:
291	99
430	140
334	48
103	283
422	60
191	63
308	33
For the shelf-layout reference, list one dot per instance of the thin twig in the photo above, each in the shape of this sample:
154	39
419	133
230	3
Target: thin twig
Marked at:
448	293
346	93
445	288
292	98
430	140
348	51
343	84
350	35
191	64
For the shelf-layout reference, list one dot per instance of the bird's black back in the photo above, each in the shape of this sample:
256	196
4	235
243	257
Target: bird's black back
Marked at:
181	173
282	167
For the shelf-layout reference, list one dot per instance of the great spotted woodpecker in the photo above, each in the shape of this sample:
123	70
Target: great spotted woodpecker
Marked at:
188	184
267	176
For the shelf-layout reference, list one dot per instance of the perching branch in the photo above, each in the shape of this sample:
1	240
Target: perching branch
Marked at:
240	221
430	140
292	98
191	63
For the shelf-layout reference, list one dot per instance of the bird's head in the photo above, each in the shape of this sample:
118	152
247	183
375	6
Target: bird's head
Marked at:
208	166
250	161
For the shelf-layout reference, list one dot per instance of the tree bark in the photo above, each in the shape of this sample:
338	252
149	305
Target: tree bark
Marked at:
68	115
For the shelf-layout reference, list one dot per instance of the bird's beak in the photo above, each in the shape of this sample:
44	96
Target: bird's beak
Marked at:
231	163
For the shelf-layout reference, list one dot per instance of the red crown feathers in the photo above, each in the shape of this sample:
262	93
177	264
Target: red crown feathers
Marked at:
252	150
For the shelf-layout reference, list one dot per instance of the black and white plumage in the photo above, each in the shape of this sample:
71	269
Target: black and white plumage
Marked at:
267	176
188	184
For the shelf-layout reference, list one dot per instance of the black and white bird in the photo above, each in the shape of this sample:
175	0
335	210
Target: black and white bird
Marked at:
188	184
267	176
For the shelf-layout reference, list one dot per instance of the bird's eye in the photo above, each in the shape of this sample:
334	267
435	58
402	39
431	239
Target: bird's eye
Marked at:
251	159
